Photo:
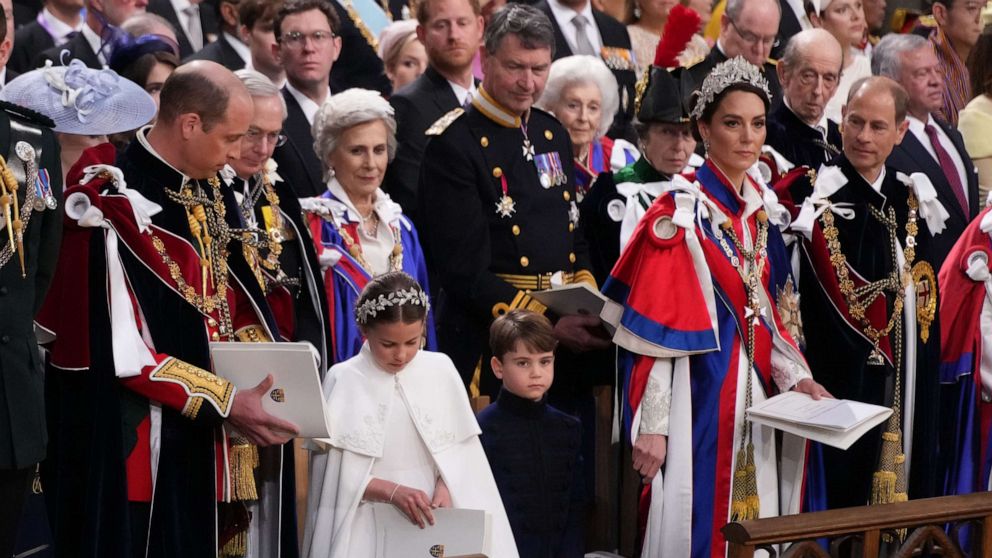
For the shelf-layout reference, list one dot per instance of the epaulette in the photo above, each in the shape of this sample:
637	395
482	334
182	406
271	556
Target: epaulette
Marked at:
772	61
693	61
441	124
25	113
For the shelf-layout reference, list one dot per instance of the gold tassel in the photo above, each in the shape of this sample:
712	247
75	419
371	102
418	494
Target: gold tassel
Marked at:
745	503
243	457
886	481
237	546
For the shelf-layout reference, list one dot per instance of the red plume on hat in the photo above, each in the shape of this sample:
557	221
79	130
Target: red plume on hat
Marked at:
682	24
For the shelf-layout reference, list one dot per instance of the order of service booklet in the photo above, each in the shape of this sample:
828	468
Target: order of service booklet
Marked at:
296	393
580	298
456	533
835	422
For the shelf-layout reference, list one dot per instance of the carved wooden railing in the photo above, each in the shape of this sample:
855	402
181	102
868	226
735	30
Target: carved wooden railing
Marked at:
903	530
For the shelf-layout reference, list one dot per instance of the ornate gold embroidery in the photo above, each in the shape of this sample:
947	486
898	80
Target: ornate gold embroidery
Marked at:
252	334
192	408
788	310
926	297
197	382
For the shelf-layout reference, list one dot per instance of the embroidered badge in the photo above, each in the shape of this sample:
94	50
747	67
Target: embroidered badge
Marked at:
278	395
788	309
926	297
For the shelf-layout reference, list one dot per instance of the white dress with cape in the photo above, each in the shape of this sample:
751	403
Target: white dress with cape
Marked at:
406	427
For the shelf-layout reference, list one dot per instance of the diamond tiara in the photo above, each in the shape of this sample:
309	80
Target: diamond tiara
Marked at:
725	74
371	308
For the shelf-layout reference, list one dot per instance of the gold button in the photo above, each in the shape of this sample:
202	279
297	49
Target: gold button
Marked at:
566	195
524	262
215	336
211	322
571	257
571	227
549	135
497	172
516	230
484	141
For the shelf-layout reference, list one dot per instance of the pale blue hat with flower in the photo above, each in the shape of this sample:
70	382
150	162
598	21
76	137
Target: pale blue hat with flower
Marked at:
81	100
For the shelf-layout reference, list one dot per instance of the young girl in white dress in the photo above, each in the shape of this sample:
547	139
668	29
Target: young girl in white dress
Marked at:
401	432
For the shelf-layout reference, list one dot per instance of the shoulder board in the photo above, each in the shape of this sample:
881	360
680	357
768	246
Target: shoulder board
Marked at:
25	113
772	61
693	61
441	124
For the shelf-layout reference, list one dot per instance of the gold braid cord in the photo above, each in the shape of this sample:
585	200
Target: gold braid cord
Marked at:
889	480
745	501
262	247
16	216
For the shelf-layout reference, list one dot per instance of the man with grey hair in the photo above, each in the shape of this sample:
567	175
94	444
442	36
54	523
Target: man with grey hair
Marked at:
748	28
293	287
497	200
932	146
810	72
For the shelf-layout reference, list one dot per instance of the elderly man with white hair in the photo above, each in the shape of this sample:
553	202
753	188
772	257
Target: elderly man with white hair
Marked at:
583	94
358	230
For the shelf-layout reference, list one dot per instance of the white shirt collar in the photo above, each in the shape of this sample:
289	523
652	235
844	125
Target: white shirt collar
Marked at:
917	126
461	93
180	5
95	42
309	107
564	14
58	27
143	140
877	184
242	49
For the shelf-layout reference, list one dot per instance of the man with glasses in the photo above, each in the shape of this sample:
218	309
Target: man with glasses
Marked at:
809	71
307	45
293	288
748	28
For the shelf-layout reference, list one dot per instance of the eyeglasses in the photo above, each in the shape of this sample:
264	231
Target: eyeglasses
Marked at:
256	136
752	38
296	39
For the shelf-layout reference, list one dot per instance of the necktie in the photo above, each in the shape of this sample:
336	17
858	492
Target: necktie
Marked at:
582	44
468	100
193	29
947	165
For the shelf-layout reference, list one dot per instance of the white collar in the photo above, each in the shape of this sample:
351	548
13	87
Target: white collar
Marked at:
309	106
59	27
95	42
461	93
143	140
387	210
561	11
918	127
239	47
877	184
180	5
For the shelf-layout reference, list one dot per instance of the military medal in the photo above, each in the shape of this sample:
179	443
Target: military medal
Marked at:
505	207
528	148
573	214
45	198
550	170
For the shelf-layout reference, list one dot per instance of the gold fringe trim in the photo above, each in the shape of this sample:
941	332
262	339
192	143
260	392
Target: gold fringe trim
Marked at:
237	546
243	458
745	503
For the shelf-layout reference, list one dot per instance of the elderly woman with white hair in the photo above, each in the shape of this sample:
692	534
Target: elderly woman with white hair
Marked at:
359	231
583	94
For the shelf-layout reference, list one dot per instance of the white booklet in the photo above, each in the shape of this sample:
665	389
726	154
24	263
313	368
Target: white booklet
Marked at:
580	298
295	396
456	533
835	422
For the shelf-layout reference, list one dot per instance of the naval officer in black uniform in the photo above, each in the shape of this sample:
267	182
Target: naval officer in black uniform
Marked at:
497	200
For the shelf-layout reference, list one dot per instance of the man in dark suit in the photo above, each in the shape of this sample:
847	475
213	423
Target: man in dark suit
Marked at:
228	50
103	17
748	28
810	72
195	28
53	26
931	146
580	29
451	32
794	20
307	44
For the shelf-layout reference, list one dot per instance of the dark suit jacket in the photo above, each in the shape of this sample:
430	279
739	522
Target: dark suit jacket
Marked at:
787	27
28	42
417	106
298	163
208	23
358	65
221	52
614	34
911	156
77	47
799	143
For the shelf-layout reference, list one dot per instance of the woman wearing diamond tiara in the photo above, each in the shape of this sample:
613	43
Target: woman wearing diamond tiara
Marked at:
401	432
704	336
359	231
